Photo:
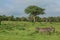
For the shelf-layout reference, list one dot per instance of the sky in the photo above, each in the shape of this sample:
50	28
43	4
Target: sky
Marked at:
16	7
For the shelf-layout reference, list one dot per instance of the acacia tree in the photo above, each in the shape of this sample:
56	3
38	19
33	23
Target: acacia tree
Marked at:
34	11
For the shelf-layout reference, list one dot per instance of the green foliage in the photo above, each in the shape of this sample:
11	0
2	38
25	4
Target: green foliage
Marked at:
29	33
11	26
5	27
20	28
34	10
30	18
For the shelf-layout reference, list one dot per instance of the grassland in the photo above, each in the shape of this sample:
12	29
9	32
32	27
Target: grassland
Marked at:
15	30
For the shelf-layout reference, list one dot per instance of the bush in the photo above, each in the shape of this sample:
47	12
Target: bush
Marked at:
5	27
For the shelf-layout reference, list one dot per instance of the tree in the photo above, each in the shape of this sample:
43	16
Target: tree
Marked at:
51	19
17	19
38	19
23	19
34	11
4	18
10	18
44	19
57	19
30	18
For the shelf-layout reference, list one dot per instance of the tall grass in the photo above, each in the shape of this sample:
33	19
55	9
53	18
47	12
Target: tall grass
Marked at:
15	30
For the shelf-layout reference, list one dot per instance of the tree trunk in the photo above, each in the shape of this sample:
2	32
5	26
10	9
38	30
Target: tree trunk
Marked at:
34	18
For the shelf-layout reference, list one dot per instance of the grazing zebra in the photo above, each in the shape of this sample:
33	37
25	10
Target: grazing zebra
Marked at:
46	30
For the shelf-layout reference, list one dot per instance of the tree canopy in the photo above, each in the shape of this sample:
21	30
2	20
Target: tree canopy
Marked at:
34	11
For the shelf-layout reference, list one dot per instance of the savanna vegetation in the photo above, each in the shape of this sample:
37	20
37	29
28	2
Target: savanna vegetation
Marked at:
16	30
23	28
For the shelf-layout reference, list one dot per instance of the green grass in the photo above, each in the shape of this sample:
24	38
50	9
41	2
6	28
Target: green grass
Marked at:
28	34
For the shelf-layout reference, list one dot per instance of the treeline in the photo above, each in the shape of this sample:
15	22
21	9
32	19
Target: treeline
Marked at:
30	19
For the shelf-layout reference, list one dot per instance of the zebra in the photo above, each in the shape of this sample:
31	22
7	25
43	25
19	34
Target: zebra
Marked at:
49	30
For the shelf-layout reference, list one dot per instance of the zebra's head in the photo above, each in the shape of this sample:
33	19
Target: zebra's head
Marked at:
52	28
